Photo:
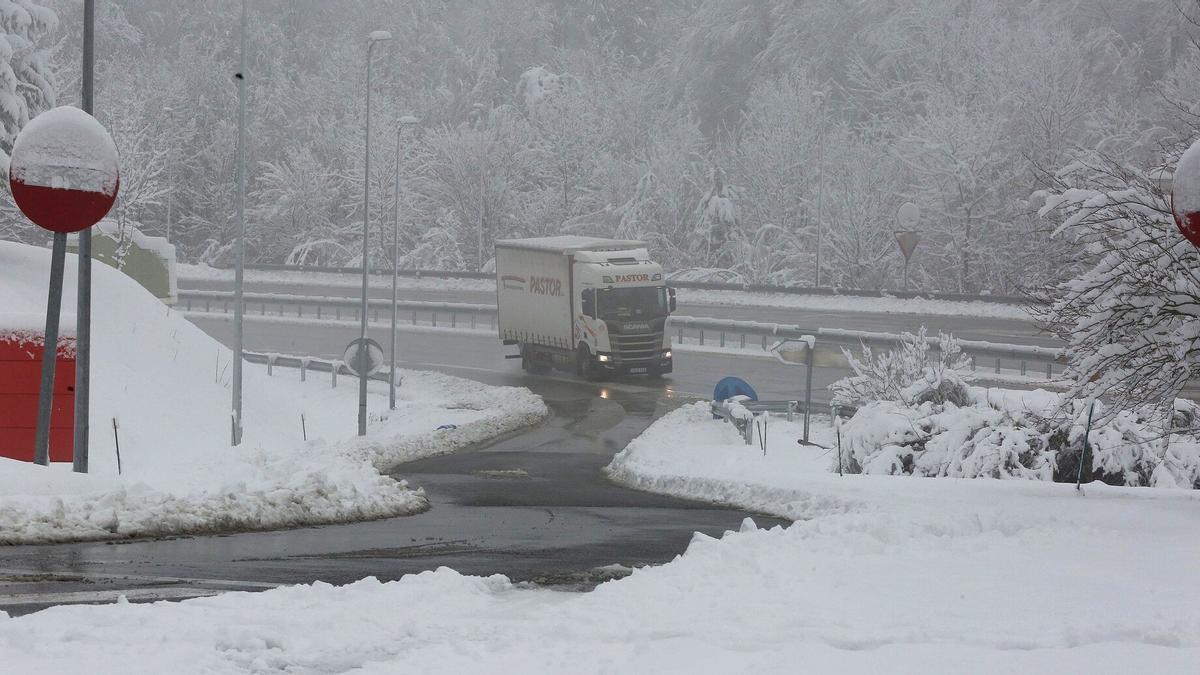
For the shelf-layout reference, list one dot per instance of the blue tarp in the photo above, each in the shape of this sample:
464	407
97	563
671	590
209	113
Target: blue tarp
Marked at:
729	387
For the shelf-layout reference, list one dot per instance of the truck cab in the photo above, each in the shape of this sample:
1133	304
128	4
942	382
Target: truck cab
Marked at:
621	313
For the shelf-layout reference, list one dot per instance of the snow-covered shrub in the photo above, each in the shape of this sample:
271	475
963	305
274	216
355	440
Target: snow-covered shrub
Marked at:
1027	435
906	374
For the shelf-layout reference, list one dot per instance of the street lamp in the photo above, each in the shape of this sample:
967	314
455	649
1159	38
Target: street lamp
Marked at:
819	97
406	121
480	110
239	275
374	37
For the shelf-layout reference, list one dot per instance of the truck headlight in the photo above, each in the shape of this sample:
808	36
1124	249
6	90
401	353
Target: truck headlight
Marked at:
667	354
604	358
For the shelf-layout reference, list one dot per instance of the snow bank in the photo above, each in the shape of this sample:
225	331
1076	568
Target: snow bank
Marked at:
1031	435
939	589
886	575
167	385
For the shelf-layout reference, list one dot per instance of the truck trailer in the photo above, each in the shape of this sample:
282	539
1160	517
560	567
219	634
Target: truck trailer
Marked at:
594	306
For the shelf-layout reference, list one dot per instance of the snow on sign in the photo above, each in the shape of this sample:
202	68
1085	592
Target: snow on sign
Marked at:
63	172
364	355
1185	194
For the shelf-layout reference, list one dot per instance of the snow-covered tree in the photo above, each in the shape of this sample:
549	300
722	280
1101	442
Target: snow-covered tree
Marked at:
27	85
1131	319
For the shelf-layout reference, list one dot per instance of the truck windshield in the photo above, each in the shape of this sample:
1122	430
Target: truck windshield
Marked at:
622	304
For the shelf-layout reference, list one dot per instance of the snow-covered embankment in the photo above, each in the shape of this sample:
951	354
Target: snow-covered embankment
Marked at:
167	385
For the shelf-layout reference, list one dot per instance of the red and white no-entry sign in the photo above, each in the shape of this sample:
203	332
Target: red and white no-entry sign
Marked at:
1185	194
63	172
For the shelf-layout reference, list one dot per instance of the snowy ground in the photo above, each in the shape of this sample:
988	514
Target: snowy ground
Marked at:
897	575
839	303
167	385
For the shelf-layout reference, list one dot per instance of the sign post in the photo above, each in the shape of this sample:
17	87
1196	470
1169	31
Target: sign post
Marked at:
83	295
908	215
795	352
64	178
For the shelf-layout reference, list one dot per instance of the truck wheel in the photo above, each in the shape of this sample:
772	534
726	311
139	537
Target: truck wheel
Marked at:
583	363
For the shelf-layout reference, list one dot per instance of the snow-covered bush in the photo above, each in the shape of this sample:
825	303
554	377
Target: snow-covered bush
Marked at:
906	374
1026	435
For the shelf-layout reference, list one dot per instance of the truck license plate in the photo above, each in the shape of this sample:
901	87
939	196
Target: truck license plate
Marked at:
637	370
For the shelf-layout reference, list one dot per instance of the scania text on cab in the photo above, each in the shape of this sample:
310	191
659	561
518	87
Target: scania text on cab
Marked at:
594	306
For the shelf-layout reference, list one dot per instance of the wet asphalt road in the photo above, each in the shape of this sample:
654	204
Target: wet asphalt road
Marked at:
535	507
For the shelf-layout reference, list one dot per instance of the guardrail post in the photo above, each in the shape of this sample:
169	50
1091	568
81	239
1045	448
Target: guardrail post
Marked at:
972	364
742	344
681	335
453	320
997	365
722	338
337	313
1022	367
334	370
414	317
189	304
1049	373
300	310
224	307
207	306
270	365
764	343
318	312
701	337
263	310
472	322
435	318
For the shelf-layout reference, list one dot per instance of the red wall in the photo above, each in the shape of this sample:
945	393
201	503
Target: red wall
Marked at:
20	375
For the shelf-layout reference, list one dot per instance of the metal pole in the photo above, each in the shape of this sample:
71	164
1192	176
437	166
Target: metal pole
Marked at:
1087	432
820	190
58	255
83	293
808	376
395	264
482	200
239	274
362	375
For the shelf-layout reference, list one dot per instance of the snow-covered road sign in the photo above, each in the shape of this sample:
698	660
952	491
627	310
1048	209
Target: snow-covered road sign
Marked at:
1185	194
363	355
63	172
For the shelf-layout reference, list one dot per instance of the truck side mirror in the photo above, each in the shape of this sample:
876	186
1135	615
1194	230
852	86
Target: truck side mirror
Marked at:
671	299
589	302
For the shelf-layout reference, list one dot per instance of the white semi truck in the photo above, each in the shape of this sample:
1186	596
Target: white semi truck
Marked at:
594	306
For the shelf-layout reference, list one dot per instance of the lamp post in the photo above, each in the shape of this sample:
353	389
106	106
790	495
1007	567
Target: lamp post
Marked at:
374	37
480	110
406	121
239	273
819	96
170	172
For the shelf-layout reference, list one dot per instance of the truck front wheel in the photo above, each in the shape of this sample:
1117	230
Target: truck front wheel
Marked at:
584	367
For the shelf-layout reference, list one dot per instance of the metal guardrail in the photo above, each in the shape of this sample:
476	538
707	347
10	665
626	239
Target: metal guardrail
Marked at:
698	285
306	363
336	308
701	328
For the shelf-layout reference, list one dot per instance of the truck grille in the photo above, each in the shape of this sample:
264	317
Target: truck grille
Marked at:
642	347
